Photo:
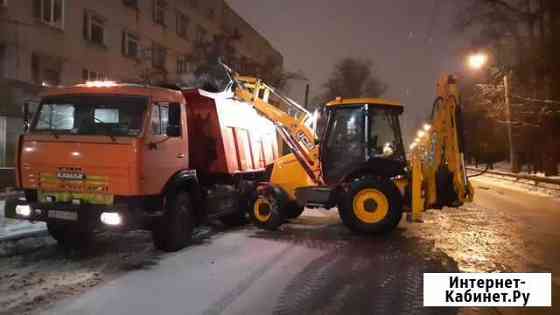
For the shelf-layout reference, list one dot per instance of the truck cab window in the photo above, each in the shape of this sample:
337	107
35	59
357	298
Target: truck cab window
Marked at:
92	115
56	117
160	118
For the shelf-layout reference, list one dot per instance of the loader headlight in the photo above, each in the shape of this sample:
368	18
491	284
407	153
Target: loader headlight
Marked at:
23	210
111	218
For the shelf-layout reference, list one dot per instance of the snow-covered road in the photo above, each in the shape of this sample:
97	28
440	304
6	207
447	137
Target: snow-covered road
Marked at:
313	266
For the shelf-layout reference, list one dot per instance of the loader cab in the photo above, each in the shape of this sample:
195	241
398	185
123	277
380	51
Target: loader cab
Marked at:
361	133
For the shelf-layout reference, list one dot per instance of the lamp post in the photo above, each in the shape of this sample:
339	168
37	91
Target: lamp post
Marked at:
476	62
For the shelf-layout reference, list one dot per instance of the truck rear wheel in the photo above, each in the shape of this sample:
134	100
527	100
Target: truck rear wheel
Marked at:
267	212
238	218
371	206
173	231
72	236
241	217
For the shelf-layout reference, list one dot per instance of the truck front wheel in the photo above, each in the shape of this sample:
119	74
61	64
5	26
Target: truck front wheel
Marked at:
173	231
71	236
371	205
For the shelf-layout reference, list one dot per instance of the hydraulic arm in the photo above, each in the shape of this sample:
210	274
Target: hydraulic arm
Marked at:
438	168
295	130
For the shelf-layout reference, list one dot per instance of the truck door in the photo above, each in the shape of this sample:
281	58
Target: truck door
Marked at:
165	149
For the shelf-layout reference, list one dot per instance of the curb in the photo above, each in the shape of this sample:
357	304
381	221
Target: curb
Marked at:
24	234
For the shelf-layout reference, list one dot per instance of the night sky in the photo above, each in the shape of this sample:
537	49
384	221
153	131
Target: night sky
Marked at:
411	43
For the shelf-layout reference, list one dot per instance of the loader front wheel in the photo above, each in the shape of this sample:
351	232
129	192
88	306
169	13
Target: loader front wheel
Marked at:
371	206
266	212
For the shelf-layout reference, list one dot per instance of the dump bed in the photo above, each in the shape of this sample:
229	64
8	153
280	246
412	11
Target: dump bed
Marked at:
226	136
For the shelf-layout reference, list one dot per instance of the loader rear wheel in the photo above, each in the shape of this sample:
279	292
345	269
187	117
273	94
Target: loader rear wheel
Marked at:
173	231
267	212
293	210
371	206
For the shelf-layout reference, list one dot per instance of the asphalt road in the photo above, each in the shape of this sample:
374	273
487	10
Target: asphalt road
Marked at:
315	266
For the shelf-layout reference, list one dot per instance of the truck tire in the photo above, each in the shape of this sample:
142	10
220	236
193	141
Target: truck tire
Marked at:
267	210
293	210
241	217
173	231
371	206
71	236
238	218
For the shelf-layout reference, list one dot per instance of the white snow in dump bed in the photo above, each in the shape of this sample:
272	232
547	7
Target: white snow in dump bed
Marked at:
234	113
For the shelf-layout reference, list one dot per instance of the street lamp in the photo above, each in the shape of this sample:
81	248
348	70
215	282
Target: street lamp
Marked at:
477	61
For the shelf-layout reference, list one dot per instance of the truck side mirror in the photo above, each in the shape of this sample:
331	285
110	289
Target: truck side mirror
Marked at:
174	122
26	119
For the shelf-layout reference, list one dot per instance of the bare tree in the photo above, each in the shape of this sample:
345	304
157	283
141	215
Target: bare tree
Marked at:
523	36
353	78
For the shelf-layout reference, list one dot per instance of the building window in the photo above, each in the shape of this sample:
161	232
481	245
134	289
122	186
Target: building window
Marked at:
200	34
94	28
131	47
88	75
131	3
184	65
159	11
160	118
50	12
159	54
182	25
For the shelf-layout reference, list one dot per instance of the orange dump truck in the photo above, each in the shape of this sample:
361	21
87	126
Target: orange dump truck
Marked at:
122	156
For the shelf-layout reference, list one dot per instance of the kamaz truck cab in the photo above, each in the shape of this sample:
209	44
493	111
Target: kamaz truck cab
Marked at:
121	156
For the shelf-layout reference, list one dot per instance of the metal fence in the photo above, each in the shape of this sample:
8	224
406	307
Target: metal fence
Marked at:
535	180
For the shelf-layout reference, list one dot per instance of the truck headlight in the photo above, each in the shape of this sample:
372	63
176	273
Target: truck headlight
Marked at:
111	218
23	210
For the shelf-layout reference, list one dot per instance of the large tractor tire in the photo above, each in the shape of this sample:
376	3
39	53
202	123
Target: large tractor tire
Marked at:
71	236
292	210
267	212
173	231
371	206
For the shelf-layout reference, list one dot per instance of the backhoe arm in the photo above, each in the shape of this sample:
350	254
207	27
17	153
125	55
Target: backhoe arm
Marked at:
438	168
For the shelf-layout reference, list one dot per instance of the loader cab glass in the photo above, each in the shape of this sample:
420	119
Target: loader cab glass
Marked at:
356	134
91	115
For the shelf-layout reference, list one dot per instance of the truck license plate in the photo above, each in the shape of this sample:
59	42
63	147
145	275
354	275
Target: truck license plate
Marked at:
63	215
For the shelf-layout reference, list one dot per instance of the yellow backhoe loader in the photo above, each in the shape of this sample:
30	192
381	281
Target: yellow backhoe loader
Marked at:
358	162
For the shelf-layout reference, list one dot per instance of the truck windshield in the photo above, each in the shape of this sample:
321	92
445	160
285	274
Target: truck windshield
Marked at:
92	115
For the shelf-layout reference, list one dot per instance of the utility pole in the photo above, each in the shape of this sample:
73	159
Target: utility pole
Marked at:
507	86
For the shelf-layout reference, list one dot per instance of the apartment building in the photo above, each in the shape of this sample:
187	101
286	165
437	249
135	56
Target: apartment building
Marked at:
63	42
